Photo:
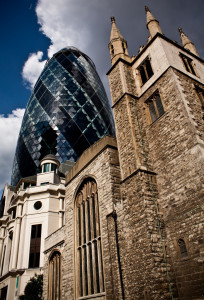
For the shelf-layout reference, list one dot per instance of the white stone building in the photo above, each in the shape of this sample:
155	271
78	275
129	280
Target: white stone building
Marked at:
30	212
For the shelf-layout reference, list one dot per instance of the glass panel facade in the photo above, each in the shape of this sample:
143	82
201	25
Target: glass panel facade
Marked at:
67	112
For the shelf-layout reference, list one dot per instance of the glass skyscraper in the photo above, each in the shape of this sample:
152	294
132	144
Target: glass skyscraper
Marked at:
67	112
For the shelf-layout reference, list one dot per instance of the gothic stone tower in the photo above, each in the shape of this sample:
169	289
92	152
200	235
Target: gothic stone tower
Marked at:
158	101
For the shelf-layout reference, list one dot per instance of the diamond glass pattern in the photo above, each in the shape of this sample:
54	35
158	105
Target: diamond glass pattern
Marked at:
67	112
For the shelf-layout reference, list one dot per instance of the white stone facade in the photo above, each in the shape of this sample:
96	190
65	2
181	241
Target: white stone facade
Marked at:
18	217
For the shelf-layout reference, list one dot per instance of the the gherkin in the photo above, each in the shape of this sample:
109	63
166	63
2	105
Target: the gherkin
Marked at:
67	112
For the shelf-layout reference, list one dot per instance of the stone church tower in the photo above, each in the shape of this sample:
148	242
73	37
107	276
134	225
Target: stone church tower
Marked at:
158	105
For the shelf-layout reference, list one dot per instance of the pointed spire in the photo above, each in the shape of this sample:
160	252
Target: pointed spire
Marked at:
117	45
149	15
115	32
186	42
152	23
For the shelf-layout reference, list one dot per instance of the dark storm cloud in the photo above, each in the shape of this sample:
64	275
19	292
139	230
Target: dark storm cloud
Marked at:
131	21
86	24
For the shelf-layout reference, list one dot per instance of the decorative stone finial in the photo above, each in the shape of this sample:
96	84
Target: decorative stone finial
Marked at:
117	45
115	33
180	30
146	8
112	20
186	42
152	23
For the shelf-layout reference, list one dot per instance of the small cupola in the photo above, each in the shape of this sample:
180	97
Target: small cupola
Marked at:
49	164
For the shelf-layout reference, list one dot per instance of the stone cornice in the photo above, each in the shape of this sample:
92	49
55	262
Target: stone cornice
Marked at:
125	94
54	246
197	79
136	172
12	273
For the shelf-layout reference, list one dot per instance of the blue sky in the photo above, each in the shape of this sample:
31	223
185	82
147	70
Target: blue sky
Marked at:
19	37
31	31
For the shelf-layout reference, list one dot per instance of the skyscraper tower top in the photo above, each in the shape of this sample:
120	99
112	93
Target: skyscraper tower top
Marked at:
67	112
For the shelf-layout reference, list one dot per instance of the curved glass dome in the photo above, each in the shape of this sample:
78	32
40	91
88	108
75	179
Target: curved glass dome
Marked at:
67	112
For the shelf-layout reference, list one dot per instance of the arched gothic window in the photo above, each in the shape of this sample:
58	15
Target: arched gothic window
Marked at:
89	263
54	277
183	249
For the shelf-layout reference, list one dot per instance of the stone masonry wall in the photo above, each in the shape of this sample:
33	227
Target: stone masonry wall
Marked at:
142	257
105	170
176	147
131	145
172	147
116	87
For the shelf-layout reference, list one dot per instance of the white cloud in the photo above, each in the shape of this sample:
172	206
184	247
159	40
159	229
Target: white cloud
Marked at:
32	68
60	22
9	130
64	22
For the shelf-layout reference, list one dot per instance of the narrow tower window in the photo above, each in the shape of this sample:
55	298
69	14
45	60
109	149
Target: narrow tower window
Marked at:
53	167
183	249
35	241
112	49
123	45
188	63
89	253
145	70
46	168
155	106
4	292
54	276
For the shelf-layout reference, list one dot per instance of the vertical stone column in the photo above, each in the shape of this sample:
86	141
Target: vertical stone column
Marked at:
61	213
16	238
1	242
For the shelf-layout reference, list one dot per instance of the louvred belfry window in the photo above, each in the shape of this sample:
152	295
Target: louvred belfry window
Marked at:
89	262
155	106
188	63
145	70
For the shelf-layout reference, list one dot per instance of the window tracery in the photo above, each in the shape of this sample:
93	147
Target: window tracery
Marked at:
88	239
54	276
